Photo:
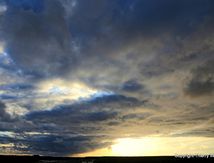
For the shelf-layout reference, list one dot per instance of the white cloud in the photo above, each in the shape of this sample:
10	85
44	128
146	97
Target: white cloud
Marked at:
3	8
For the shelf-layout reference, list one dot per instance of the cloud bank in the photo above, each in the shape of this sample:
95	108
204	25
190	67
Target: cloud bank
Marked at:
76	75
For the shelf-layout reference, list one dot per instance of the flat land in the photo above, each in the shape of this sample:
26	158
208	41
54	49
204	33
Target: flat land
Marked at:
42	159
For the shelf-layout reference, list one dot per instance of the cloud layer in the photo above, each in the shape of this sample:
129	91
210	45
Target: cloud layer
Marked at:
76	75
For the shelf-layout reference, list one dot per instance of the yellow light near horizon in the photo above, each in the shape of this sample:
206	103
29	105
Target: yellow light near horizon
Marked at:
156	146
98	152
134	147
163	146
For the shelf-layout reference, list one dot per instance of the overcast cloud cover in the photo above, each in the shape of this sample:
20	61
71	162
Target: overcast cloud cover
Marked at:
77	74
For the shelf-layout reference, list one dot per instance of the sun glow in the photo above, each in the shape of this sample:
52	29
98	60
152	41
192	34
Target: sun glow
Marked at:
156	146
135	147
160	146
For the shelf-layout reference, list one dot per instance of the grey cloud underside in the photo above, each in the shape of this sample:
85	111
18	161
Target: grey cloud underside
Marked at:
44	36
91	36
86	123
4	116
92	113
83	125
202	82
155	56
53	144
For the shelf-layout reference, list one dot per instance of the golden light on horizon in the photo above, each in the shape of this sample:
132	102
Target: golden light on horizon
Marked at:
135	147
163	146
98	152
156	146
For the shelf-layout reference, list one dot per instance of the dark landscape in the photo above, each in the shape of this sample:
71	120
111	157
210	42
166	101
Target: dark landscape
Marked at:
156	159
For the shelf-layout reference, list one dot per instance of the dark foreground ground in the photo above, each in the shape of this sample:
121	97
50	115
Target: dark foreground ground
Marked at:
40	159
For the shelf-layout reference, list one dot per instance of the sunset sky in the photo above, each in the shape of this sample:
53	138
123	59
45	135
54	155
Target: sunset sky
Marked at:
106	77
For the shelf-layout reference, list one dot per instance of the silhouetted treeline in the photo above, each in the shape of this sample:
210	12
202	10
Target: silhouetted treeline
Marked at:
43	159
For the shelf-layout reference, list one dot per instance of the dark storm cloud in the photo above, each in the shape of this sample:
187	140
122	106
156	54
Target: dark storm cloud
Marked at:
39	38
6	67
202	82
44	34
59	145
16	87
66	123
5	139
123	101
101	116
132	86
82	117
8	97
105	34
88	111
87	117
128	18
105	26
53	145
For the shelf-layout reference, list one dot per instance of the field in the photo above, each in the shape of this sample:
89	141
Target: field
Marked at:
40	159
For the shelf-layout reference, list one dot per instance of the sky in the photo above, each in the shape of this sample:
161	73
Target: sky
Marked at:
106	77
